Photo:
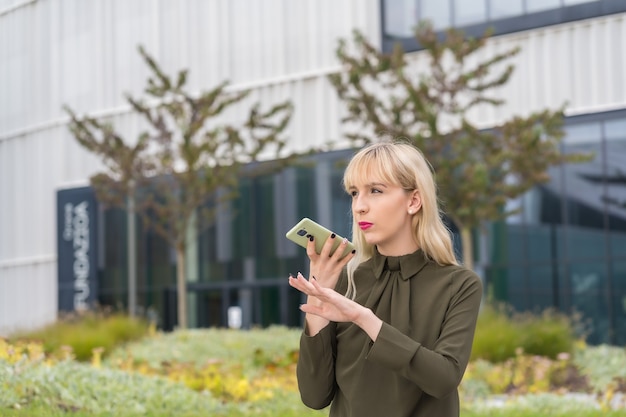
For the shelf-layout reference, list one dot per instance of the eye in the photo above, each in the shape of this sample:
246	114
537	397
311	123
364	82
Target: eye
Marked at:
376	191
353	193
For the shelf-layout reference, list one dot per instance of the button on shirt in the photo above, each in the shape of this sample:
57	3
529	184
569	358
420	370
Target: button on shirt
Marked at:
413	369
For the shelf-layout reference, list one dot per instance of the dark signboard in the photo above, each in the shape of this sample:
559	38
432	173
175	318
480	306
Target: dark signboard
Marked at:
77	213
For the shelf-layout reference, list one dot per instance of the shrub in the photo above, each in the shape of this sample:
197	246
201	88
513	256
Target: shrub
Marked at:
496	339
87	331
547	334
500	332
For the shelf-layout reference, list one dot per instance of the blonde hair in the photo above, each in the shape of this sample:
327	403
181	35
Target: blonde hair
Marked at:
401	164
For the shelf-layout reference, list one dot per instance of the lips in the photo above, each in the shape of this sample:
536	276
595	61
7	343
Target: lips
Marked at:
365	225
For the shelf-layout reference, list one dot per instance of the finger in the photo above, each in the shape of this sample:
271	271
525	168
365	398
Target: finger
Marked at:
339	256
320	292
311	309
300	283
305	285
310	248
328	246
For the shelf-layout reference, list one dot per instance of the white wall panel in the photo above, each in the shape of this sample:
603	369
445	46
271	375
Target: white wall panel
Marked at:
580	65
28	296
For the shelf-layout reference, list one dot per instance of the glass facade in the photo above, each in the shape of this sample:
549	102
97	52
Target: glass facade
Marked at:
565	250
474	16
568	249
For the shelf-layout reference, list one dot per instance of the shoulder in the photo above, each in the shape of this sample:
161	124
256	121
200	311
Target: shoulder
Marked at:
457	275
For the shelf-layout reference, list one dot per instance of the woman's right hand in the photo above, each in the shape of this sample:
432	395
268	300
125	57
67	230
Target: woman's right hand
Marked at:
324	267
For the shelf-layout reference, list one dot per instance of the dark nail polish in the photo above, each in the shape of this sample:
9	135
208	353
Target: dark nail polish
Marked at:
311	238
332	236
353	250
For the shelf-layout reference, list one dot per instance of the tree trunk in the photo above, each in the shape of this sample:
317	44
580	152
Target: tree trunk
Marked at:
131	250
468	248
181	288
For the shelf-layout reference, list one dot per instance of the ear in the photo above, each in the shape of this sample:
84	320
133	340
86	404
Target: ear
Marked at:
415	202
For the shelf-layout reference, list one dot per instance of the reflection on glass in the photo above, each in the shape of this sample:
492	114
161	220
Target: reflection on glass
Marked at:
590	243
400	17
505	8
615	130
615	198
583	133
539	5
467	12
588	288
541	243
542	282
570	2
437	11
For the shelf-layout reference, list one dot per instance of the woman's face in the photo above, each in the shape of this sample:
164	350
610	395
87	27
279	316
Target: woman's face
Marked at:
383	213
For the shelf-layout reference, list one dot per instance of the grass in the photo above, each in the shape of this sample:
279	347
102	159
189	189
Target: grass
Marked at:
221	373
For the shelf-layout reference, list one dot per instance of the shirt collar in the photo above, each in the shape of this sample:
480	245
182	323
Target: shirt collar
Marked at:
409	265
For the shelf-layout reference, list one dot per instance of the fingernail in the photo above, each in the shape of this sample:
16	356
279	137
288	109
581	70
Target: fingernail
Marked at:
311	238
332	236
345	241
353	250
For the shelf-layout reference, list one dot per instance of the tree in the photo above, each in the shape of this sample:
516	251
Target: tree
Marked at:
477	171
127	167
188	160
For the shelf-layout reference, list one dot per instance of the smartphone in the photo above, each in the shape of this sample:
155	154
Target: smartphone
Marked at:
306	227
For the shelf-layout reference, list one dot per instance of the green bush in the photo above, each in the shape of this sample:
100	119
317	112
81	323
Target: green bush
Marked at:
87	331
500	332
547	334
495	339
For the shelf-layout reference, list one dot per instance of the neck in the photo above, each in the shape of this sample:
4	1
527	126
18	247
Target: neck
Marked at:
397	250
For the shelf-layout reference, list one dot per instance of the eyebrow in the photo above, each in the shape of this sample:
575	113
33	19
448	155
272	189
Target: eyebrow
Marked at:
370	185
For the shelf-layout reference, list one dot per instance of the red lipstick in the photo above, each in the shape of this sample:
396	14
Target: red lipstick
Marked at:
365	225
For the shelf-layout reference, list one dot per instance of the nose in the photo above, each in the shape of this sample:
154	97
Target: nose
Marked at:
359	205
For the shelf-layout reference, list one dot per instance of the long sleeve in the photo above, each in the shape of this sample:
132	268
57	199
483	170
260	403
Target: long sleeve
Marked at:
316	367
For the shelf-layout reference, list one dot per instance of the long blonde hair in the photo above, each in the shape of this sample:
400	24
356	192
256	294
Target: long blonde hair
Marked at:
402	164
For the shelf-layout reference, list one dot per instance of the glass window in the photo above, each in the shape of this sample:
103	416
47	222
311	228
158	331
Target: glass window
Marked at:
583	133
505	8
519	294
497	280
570	2
400	17
586	243
615	184
341	206
588	282
543	281
615	130
468	12
539	5
506	16
541	243
437	11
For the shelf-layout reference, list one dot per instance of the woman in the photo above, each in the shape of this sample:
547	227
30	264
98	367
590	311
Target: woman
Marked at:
388	329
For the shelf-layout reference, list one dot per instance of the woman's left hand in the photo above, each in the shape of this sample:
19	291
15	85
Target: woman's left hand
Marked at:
334	306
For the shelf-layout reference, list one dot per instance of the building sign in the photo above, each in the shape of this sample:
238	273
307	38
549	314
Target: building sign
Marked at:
76	243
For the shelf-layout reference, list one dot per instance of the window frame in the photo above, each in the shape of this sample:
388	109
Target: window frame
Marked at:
563	14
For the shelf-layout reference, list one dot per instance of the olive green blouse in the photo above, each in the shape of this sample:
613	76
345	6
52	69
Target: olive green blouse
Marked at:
415	366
